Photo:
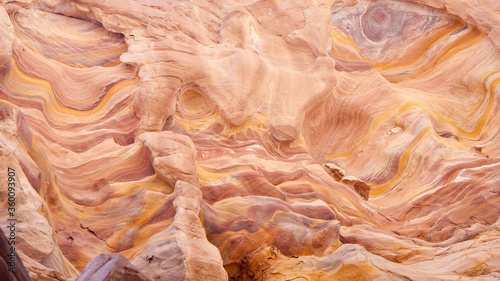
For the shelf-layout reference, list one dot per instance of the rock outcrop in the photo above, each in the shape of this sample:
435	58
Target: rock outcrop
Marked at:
107	268
252	140
11	266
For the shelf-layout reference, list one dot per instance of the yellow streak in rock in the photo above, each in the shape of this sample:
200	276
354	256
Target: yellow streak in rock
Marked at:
195	124
63	208
344	39
486	113
113	63
414	58
341	202
299	141
474	134
383	117
206	178
471	38
474	108
403	163
256	123
144	234
378	119
33	86
153	201
192	125
151	183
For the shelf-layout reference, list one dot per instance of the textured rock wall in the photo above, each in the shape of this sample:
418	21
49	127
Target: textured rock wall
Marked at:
253	140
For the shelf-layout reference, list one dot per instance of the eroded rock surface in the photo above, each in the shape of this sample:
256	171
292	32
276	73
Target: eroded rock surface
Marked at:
107	268
11	266
253	140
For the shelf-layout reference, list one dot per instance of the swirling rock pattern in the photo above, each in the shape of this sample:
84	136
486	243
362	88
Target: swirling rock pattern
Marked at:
254	140
104	267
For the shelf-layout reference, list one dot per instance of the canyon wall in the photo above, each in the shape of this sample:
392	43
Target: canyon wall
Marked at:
251	140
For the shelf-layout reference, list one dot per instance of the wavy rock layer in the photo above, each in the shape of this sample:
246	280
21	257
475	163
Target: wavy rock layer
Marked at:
254	140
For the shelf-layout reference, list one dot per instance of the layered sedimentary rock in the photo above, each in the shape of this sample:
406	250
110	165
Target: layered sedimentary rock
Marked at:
253	140
11	266
107	268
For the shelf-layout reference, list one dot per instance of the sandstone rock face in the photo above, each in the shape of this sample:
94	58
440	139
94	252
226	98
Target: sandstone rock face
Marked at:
107	268
11	266
252	140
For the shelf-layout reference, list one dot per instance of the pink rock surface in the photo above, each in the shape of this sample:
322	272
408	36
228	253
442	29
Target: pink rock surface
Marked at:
254	140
